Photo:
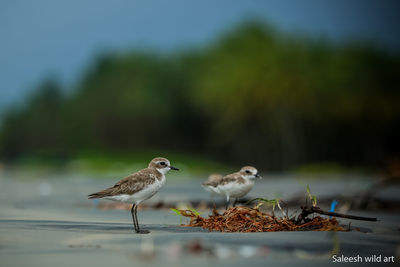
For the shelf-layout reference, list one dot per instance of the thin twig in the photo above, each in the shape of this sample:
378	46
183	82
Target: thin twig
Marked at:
308	210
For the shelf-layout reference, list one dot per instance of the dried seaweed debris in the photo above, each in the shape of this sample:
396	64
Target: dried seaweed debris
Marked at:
245	219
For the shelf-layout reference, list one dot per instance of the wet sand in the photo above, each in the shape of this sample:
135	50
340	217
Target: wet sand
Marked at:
49	222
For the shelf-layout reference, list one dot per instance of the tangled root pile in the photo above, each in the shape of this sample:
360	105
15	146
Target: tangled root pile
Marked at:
245	219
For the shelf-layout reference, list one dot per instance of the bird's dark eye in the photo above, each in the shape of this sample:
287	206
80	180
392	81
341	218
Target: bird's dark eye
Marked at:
162	163
247	171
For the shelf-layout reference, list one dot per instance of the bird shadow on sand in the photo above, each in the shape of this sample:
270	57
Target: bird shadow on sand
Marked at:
76	226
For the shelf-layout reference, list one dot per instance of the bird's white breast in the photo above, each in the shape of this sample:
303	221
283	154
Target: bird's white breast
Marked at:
236	190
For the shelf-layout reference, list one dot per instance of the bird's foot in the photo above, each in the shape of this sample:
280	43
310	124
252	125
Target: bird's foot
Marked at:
142	231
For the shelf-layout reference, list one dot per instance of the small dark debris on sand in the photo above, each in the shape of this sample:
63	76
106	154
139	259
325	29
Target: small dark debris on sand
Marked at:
84	246
245	219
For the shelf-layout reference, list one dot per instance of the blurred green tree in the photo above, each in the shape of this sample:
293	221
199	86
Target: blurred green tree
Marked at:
254	96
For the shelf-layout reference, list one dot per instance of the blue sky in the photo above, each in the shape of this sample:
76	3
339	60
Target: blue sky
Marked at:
51	38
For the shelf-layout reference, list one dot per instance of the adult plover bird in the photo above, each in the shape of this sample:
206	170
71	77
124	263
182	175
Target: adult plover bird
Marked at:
138	187
238	184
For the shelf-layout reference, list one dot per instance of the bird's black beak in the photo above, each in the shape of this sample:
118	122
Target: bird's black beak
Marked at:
258	176
173	168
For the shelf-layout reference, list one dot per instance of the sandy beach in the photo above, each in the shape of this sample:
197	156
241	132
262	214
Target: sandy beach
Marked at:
50	222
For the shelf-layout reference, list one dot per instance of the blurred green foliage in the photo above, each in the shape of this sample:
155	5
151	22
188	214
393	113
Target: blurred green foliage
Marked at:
255	96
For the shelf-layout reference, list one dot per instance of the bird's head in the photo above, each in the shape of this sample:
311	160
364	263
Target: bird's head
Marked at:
162	165
249	172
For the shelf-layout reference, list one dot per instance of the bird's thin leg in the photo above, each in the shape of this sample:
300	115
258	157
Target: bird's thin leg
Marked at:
227	202
133	217
136	219
137	223
234	202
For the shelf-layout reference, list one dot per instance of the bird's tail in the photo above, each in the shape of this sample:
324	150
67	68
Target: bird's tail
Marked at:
104	193
94	195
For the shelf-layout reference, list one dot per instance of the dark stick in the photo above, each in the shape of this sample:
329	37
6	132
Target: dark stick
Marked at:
308	210
336	214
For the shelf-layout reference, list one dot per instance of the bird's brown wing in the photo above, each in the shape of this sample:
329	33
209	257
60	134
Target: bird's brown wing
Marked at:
213	180
129	185
232	178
